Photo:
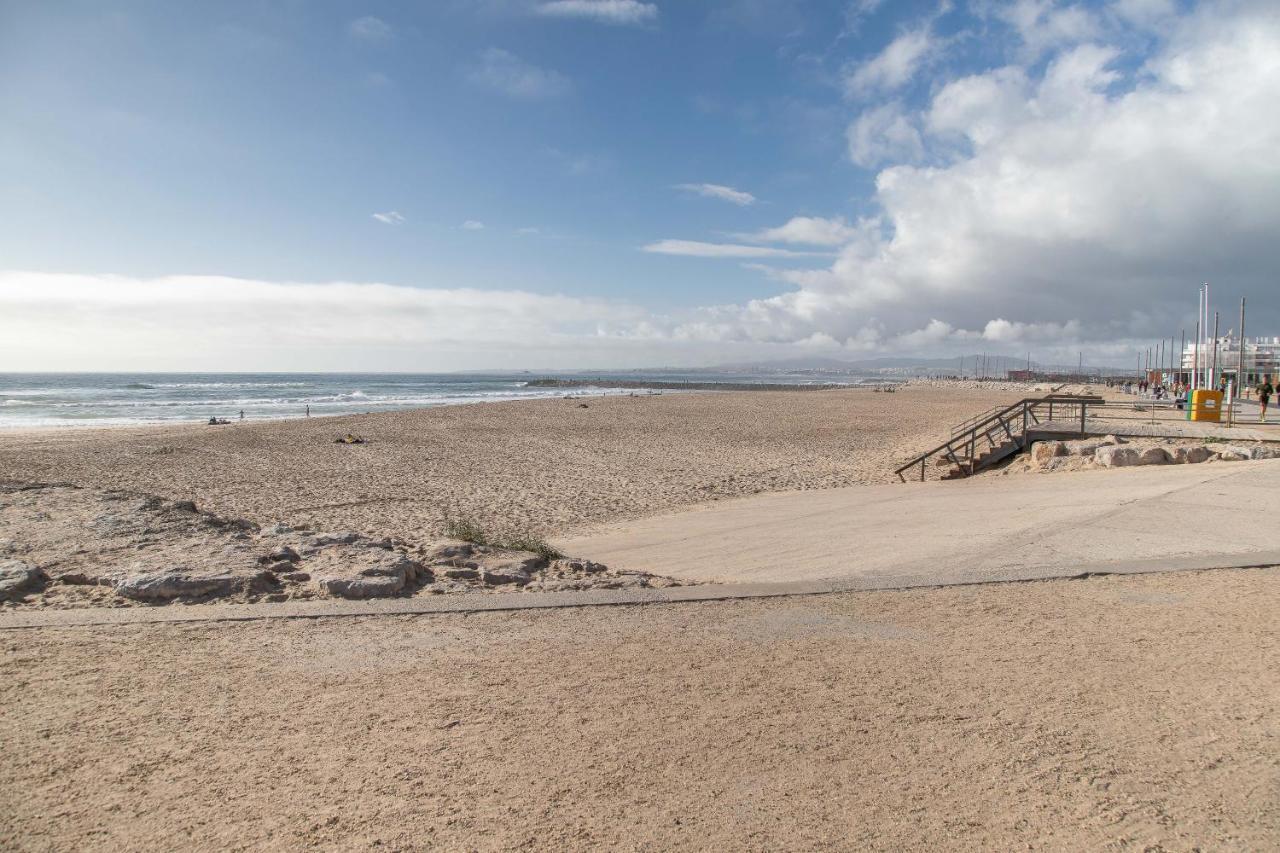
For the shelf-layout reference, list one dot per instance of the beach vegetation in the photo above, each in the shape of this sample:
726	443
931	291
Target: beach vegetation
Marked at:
468	530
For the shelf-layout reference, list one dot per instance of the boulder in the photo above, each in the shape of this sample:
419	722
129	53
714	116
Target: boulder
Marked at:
17	578
1232	453
1083	447
1264	451
1153	456
372	574
1043	452
178	583
1183	455
1116	456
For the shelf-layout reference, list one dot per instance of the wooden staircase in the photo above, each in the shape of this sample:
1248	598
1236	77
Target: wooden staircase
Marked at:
997	434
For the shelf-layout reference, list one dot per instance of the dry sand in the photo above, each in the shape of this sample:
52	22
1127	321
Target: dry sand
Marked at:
542	466
1110	713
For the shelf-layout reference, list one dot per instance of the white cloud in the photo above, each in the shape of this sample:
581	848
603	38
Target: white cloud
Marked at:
528	229
391	217
370	28
472	225
56	321
1084	209
809	230
695	249
882	134
1048	24
729	194
894	66
503	71
617	12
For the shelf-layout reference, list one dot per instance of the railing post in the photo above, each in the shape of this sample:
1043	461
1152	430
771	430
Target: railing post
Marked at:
1082	410
922	463
1050	410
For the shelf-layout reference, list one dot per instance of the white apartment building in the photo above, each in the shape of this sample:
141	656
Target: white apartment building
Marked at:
1261	359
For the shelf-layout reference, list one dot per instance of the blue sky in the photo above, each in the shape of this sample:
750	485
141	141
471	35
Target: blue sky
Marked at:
652	182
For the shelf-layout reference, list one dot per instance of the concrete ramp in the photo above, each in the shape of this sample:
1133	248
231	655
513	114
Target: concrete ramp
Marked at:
991	528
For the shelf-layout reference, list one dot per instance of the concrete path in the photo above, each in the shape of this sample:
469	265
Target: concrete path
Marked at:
959	532
1164	427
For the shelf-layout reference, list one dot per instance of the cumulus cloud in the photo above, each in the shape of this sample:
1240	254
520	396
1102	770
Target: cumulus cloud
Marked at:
370	28
1075	200
696	249
616	12
729	194
391	217
472	225
503	71
882	134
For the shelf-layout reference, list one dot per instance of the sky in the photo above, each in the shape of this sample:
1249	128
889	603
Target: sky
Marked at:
516	184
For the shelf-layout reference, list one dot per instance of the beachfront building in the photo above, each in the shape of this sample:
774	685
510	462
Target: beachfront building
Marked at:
1261	359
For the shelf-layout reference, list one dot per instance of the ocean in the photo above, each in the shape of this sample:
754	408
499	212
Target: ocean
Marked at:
30	400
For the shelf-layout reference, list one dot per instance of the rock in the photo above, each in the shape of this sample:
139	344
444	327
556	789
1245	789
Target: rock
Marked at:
1113	439
1231	453
17	578
448	551
461	573
183	506
1153	456
503	567
295	577
1196	455
1115	456
575	567
283	554
1081	448
375	575
1263	451
1183	455
178	583
1043	452
324	540
278	529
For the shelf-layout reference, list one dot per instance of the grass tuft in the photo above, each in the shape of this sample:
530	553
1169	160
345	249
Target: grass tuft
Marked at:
469	531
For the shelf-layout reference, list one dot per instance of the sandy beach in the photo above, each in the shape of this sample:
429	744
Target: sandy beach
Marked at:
1109	713
548	466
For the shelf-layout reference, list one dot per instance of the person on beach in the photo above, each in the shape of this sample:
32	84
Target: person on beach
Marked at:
1264	396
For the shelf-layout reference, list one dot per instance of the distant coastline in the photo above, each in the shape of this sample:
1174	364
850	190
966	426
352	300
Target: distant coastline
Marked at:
668	385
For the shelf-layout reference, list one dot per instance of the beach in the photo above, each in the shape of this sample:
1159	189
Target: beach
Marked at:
544	466
1114	711
1109	713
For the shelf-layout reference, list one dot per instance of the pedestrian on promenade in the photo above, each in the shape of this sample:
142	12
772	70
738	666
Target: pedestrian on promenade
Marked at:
1264	396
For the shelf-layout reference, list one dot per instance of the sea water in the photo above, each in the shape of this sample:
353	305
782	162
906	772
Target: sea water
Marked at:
106	399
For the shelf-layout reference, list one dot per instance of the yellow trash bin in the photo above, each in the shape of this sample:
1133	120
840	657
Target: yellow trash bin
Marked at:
1206	405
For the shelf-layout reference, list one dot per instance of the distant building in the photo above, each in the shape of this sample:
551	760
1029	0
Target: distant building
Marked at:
1261	359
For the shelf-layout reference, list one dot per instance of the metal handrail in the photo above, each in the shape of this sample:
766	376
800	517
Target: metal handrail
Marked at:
996	419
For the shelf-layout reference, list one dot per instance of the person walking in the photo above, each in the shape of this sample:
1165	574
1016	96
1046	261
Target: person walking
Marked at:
1265	390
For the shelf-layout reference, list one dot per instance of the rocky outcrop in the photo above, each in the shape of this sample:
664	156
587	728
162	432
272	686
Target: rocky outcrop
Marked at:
369	575
107	548
18	577
179	583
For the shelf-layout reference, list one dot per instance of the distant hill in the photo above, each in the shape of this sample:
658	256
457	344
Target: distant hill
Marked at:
995	365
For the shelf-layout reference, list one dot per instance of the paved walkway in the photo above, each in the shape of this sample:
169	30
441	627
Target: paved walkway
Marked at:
959	532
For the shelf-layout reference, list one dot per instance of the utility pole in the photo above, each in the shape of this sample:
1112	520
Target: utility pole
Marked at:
1240	374
1213	371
